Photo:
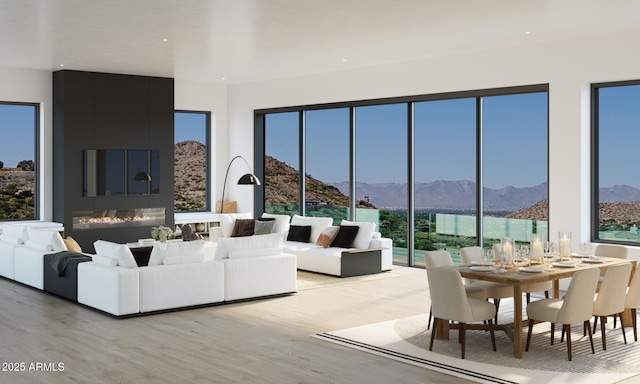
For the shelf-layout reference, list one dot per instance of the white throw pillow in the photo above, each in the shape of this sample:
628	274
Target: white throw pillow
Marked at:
18	231
105	260
178	251
53	238
365	233
239	254
120	252
282	222
232	244
318	224
228	220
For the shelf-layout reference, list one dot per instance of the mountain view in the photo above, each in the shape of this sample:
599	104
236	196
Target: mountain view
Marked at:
17	191
190	178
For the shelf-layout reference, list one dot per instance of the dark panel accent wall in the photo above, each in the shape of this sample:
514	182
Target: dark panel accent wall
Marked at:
109	111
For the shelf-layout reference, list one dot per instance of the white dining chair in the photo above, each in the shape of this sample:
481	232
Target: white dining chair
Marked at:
450	303
632	302
574	307
495	291
442	258
610	299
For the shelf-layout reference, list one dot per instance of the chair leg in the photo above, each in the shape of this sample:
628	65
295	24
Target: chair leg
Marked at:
588	326
546	294
634	322
496	302
462	330
567	329
604	335
562	334
624	334
615	318
433	332
553	330
528	297
493	336
430	316
595	323
529	335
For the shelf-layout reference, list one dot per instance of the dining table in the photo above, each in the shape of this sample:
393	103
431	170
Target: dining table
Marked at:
519	276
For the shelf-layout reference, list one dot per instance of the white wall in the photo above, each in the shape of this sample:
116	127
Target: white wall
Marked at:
27	86
568	66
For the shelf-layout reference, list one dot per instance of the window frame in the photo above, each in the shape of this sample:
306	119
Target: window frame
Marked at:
208	193
37	161
595	160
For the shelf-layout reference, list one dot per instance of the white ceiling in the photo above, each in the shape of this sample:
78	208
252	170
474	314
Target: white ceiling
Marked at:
252	40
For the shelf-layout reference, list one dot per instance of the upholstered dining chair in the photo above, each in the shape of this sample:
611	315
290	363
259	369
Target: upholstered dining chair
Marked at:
575	307
442	258
450	303
610	299
632	302
495	291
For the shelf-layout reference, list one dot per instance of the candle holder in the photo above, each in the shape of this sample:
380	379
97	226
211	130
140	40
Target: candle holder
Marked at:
537	248
564	241
507	249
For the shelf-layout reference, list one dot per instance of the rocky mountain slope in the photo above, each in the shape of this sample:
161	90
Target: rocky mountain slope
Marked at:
190	177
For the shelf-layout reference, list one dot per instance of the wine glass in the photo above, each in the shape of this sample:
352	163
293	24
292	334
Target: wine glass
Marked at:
524	255
499	261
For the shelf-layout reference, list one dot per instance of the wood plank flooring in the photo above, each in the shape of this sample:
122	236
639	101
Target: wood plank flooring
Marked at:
263	341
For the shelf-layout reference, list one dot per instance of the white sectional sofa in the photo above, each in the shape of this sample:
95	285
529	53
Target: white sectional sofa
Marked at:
368	253
182	274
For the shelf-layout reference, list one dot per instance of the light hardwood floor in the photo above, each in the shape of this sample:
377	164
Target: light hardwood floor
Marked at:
262	341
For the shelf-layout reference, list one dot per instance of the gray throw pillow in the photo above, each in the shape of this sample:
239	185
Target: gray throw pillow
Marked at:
264	227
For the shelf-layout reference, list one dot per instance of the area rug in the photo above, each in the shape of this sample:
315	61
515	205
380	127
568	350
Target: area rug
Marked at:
310	280
407	340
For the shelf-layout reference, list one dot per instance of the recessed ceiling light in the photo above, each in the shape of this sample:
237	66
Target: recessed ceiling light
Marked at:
223	78
344	60
62	65
165	39
527	33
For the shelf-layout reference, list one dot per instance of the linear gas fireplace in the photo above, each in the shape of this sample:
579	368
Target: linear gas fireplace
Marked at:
118	218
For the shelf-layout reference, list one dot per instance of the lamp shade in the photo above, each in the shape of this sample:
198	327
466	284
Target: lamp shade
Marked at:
249	179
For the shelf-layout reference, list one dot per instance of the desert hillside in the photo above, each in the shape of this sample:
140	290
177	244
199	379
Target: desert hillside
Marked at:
189	176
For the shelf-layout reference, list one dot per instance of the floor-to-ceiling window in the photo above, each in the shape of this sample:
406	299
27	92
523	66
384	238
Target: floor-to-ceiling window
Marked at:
18	161
282	163
381	172
434	172
514	167
616	185
191	154
444	176
327	142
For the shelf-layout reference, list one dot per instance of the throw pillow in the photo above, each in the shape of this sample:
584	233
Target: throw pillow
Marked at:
365	234
327	236
243	227
117	251
282	222
300	233
345	236
264	226
228	207
318	224
72	245
227	221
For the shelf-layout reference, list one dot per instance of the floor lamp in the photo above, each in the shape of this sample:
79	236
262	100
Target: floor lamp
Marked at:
246	179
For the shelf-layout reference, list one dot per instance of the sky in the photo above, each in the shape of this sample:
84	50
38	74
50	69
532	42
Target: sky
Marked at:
190	126
515	141
17	127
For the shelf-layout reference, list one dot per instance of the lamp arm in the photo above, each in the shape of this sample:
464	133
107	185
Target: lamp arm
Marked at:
224	186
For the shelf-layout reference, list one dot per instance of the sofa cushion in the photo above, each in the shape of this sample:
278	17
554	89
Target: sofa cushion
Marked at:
243	227
19	231
282	222
38	245
227	221
264	226
345	236
255	252
11	239
105	260
365	234
177	251
327	236
51	238
117	251
230	244
300	233
318	224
